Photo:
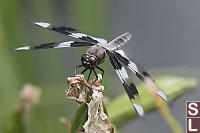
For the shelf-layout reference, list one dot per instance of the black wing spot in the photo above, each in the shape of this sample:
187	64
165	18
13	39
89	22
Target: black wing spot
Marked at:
63	30
79	44
139	76
89	39
131	90
45	46
70	29
146	74
115	63
121	58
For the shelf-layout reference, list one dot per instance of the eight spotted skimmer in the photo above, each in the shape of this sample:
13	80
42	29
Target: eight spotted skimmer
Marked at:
98	52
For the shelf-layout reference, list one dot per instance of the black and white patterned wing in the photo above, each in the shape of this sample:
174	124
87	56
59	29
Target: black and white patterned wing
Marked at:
71	32
118	42
129	86
55	45
137	70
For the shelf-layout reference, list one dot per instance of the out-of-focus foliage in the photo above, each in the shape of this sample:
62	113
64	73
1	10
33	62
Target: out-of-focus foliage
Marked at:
14	123
120	108
79	119
42	68
47	68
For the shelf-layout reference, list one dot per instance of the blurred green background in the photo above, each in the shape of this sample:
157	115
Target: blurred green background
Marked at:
166	34
47	69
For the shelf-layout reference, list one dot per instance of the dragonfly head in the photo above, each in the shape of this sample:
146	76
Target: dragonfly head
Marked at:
89	61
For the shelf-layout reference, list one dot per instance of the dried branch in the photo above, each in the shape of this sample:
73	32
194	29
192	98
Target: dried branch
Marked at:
97	120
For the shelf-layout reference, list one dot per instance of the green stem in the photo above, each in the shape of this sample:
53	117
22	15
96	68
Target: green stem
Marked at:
120	108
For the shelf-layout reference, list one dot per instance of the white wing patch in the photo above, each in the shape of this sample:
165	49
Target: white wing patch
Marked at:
43	24
132	66
162	94
101	40
80	35
22	48
139	109
121	52
122	74
120	77
64	44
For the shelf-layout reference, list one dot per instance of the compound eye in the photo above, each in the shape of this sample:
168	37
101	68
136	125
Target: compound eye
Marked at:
85	56
92	60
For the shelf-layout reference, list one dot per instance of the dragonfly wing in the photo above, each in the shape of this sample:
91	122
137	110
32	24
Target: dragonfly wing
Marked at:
71	32
54	45
138	70
118	42
129	86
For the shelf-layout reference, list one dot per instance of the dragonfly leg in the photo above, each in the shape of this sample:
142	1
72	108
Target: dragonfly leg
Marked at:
89	75
101	70
76	69
84	70
95	73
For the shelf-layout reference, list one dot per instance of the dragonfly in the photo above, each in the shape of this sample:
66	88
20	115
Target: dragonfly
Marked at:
99	51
